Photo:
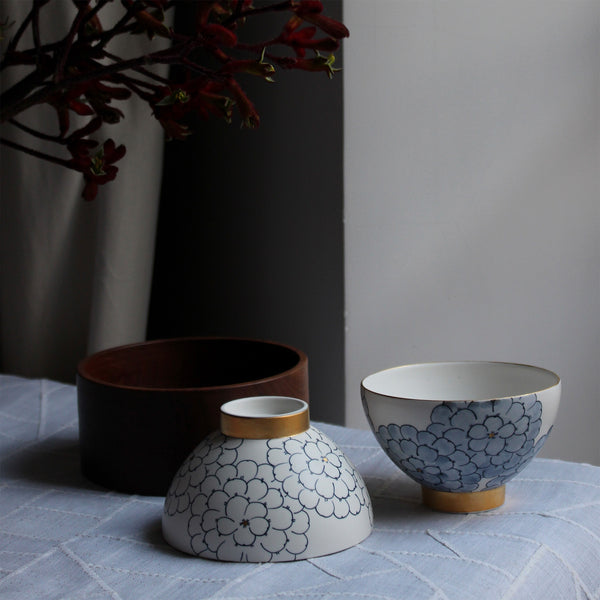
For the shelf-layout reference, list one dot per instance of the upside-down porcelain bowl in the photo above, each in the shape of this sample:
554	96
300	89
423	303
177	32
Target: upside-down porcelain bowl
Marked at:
461	429
267	487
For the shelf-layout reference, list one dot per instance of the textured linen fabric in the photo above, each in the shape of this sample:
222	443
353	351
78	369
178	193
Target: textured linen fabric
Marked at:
62	537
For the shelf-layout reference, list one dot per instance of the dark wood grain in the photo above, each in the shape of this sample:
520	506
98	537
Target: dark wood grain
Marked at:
143	408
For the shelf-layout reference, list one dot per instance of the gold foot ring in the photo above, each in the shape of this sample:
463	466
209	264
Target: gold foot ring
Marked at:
463	502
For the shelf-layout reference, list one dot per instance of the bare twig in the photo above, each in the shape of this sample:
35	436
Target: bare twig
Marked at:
36	153
36	133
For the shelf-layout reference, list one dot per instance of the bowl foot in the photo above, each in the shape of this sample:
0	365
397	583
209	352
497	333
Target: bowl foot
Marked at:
463	502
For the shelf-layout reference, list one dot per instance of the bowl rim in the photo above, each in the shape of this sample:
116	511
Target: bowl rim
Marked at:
241	419
460	362
239	407
83	365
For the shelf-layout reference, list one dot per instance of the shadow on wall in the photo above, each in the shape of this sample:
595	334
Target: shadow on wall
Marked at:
250	234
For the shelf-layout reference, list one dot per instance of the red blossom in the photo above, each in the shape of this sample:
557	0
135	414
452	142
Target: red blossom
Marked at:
174	130
310	11
215	104
80	73
203	12
100	96
174	104
318	63
69	100
247	110
201	97
152	23
258	67
87	99
217	35
302	39
98	168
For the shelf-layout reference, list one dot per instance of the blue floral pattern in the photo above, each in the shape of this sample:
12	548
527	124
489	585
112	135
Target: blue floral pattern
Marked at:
253	510
468	446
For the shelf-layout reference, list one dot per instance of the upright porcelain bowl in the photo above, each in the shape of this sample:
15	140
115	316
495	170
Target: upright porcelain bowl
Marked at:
462	429
267	487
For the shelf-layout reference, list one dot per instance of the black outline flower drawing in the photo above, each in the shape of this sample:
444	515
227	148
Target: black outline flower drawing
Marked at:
261	509
215	448
313	470
237	516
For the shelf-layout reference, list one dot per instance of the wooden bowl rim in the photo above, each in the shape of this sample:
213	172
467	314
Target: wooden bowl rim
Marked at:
83	367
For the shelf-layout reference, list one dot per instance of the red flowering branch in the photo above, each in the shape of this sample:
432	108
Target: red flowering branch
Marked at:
81	74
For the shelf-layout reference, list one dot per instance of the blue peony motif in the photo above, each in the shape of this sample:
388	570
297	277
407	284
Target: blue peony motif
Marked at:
434	462
468	446
515	464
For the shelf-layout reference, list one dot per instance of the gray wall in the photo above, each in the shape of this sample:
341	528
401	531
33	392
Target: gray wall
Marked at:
472	194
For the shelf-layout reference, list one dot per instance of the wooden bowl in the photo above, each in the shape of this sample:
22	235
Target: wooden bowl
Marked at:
144	407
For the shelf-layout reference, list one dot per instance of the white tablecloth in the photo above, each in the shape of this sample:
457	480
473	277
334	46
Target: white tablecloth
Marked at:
62	537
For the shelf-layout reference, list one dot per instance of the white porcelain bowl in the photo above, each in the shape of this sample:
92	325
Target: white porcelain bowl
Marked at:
267	487
462	429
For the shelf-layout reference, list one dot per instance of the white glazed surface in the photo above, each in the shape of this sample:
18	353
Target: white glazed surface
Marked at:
493	420
469	380
282	499
264	406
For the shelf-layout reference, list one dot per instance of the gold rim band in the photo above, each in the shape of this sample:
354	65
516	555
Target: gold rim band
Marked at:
243	418
459	502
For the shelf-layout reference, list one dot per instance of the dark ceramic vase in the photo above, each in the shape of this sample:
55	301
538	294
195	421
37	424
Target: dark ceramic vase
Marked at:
144	407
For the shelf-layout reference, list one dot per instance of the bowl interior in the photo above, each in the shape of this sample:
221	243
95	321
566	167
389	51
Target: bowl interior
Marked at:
264	407
460	381
189	363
